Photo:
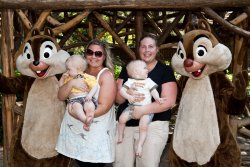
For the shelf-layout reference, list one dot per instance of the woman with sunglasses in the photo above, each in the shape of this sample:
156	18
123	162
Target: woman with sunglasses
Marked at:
93	148
158	129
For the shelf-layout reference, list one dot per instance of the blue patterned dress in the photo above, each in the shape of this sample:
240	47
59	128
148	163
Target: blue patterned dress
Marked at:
96	145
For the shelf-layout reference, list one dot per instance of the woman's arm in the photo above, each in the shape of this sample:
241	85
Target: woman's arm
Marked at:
107	93
132	91
65	89
119	99
169	92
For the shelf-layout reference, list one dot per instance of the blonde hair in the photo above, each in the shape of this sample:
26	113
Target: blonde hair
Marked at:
134	65
78	61
106	51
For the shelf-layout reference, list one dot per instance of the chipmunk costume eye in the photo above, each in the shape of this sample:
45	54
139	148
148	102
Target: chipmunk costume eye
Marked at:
27	51
202	47
180	52
201	51
47	49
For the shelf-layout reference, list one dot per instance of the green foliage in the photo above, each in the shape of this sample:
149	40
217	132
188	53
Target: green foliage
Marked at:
117	71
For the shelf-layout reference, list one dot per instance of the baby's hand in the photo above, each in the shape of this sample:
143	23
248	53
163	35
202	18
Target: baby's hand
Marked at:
62	79
88	98
79	84
65	75
161	100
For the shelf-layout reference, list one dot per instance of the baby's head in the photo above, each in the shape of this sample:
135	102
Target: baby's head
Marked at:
76	62
137	69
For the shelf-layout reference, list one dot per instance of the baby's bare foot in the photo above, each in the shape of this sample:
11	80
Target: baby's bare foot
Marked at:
89	120
86	127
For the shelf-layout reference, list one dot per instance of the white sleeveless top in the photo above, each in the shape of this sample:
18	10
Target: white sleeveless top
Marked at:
96	145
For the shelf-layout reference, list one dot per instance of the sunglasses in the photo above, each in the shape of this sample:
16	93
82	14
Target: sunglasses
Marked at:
90	52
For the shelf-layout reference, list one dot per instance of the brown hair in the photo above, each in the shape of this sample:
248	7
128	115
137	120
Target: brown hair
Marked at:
149	35
154	37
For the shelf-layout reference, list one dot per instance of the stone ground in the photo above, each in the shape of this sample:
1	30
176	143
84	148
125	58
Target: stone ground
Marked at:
243	142
1	156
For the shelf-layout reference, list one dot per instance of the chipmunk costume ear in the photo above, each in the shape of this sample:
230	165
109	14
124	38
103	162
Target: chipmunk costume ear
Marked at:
203	25
35	32
200	25
48	31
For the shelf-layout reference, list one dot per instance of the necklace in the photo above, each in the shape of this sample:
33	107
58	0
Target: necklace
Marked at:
151	66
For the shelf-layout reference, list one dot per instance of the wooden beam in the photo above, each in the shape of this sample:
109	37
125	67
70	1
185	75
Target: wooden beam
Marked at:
41	20
66	36
170	27
239	19
224	23
129	17
91	30
71	23
24	19
153	24
101	34
168	45
114	35
53	21
247	10
126	33
119	4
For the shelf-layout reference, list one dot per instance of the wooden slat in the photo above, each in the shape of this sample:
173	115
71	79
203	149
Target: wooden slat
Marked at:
24	19
168	29
120	4
7	100
71	23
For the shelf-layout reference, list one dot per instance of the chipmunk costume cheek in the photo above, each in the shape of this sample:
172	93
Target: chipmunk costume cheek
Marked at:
202	134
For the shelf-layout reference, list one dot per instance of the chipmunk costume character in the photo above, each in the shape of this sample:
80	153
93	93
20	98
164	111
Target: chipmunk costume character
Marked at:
202	135
35	139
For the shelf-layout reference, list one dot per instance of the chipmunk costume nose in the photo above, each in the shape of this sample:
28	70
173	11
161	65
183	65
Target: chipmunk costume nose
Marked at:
188	62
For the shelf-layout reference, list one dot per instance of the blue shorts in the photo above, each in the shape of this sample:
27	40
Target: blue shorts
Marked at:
81	100
130	112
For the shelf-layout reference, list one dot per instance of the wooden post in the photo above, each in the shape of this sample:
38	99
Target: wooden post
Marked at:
8	101
138	30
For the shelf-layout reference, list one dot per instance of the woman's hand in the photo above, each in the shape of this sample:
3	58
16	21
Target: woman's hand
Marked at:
79	84
137	97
